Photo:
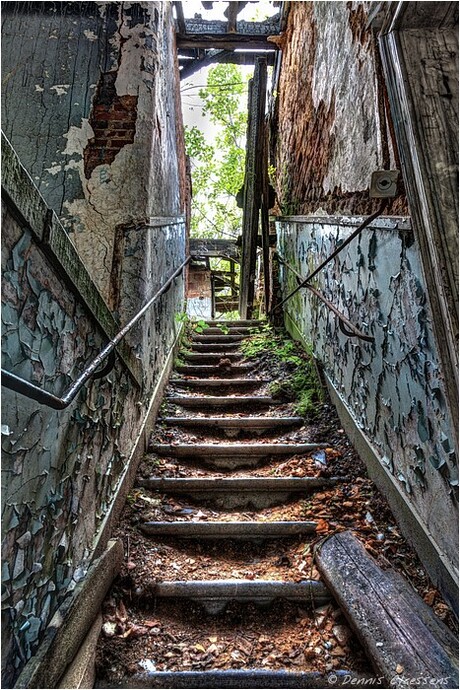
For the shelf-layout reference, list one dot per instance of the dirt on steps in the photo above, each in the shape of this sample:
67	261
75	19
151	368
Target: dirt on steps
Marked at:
143	633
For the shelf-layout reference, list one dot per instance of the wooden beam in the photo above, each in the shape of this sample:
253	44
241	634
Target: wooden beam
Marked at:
222	56
252	186
224	41
400	633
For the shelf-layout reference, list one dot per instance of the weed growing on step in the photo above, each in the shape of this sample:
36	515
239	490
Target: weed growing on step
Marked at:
297	380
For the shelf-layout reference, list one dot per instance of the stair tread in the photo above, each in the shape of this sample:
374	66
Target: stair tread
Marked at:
219	382
233	586
234	421
214	399
213	369
236	322
242	484
218	338
252	678
204	355
235	448
228	530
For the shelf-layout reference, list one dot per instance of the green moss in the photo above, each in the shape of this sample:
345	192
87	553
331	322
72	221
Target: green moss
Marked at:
299	382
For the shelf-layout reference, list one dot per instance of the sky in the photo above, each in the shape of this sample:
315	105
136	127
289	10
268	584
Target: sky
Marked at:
191	103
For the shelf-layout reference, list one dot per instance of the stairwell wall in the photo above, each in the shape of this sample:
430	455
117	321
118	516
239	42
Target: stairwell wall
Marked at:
90	104
392	389
334	129
91	107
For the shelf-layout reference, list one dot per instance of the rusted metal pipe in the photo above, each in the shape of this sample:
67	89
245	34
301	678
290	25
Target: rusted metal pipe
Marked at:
43	397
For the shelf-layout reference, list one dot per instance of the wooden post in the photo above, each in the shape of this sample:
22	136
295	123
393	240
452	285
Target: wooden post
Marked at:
252	186
264	221
180	17
232	13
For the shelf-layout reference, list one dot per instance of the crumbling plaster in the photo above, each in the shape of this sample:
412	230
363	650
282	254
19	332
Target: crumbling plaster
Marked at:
60	78
393	387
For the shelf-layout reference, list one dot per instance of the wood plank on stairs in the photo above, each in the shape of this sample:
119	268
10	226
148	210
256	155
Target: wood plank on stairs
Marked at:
245	679
390	626
209	402
188	529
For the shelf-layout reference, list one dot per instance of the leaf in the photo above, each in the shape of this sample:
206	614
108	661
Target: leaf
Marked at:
121	613
322	526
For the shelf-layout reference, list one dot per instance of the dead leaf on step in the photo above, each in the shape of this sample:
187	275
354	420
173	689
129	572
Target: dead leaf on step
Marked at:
322	526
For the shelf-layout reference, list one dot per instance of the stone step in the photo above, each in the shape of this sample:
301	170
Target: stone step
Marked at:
214	347
219	384
205	370
246	531
199	338
209	402
210	357
214	595
199	485
228	330
233	455
238	493
253	323
232	426
252	679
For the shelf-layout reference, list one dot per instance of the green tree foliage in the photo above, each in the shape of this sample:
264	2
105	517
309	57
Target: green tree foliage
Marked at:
218	166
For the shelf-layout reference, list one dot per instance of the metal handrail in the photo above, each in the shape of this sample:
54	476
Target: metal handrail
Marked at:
345	324
19	385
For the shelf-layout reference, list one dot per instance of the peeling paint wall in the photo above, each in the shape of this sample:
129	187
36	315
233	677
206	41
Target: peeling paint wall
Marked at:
332	128
61	470
393	387
100	135
90	105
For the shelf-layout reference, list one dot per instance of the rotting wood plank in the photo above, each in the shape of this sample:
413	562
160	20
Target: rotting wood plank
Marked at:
400	645
227	41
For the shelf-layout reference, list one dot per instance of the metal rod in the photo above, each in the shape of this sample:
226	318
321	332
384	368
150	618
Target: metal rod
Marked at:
352	330
344	244
30	390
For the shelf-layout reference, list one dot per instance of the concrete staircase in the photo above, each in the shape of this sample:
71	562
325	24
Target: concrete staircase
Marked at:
214	359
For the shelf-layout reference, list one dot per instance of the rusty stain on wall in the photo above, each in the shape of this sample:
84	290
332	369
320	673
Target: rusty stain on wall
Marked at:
357	21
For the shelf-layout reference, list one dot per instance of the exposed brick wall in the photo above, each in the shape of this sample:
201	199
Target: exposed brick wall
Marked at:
113	120
199	282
